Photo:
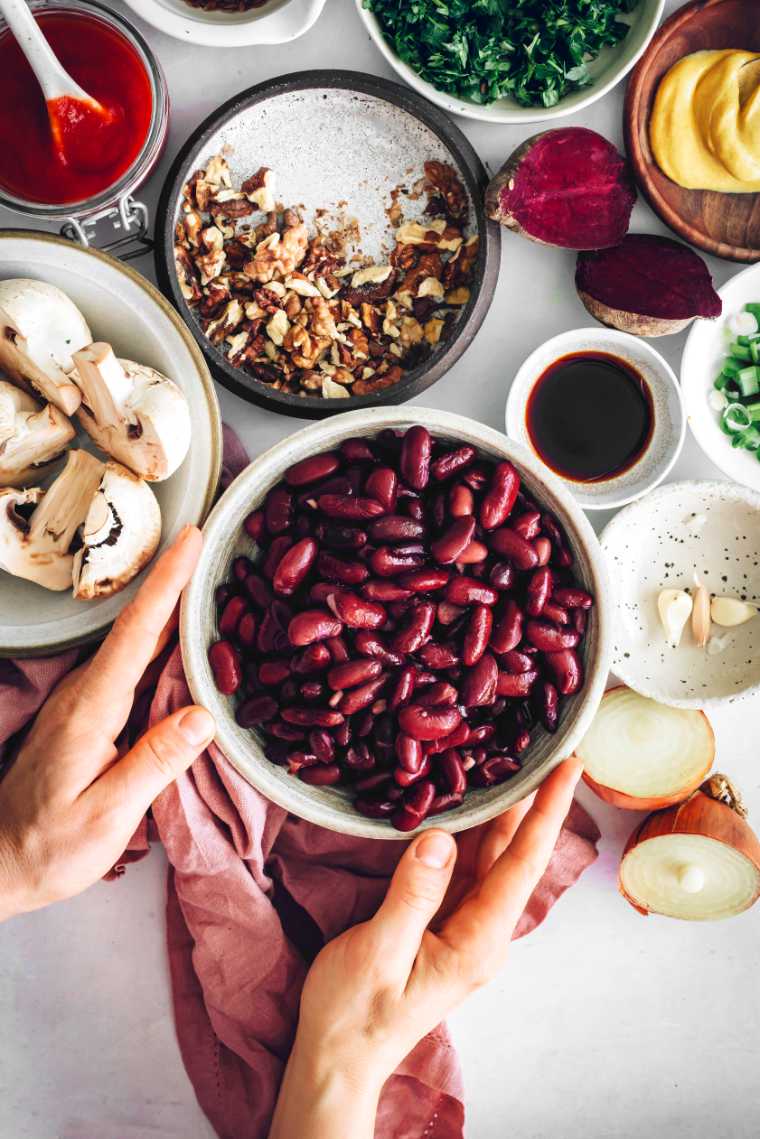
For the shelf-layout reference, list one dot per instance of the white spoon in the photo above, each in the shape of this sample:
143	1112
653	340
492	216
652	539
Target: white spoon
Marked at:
68	106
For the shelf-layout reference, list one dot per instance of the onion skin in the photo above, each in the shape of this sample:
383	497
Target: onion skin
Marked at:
699	815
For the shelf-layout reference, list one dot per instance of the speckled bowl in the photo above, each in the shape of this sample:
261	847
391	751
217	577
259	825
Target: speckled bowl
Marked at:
708	528
331	806
669	418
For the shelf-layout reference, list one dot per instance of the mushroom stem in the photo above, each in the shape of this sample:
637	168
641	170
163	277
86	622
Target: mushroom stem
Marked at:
64	507
103	383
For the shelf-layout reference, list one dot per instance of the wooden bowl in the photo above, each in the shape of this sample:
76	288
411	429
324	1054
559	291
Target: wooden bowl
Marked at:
726	225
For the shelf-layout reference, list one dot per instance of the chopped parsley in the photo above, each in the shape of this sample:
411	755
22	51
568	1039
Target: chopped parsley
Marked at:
535	51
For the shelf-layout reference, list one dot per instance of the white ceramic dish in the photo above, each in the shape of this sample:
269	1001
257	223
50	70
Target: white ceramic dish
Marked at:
669	418
712	528
279	21
331	807
703	355
122	308
610	67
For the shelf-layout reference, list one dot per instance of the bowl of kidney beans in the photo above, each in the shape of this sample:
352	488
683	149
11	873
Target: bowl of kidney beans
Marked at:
400	619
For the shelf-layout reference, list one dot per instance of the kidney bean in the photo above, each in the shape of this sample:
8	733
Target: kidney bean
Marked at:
477	635
546	702
413	635
428	723
396	528
424	580
312	469
538	590
312	690
415	806
515	684
312	717
254	524
457	538
437	694
294	566
382	485
520	742
580	621
313	625
224	659
516	662
340	570
409	752
500	497
222	594
272	636
502	575
357	450
405	779
481	734
478	687
359	758
469	591
403	688
388	562
571	598
375	808
473	554
370	645
550	638
349	509
337	649
459	736
507	630
274	555
273	672
453	772
495	769
414	462
452	462
543	548
461	501
476	477
246	630
256	711
341	537
438	656
353	672
241	567
231	615
507	544
258	590
414	509
566	669
355	611
527	525
555	613
383	590
322	775
284	731
375	782
445	802
321	592
447	613
278	510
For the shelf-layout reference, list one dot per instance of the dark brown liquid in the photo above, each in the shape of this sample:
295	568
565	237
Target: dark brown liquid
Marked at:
590	416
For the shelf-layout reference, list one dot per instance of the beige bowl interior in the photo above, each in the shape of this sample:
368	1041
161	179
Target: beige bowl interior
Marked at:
331	807
122	308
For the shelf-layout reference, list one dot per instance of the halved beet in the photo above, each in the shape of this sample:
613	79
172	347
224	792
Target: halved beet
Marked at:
567	187
647	285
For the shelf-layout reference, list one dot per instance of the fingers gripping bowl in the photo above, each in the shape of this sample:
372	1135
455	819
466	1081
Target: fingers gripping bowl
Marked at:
225	541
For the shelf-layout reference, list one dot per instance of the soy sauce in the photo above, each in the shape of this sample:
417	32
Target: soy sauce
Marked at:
590	416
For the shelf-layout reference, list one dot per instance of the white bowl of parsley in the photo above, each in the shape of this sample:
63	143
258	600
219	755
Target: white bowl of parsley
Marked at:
511	61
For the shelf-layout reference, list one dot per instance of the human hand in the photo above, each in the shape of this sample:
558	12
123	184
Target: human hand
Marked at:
69	805
443	930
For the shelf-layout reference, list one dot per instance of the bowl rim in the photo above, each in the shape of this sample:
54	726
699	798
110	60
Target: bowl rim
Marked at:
249	484
215	442
468	164
258	28
516	403
690	395
493	113
738	491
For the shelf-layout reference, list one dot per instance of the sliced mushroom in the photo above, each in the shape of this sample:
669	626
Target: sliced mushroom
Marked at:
120	534
31	436
132	412
37	527
40	329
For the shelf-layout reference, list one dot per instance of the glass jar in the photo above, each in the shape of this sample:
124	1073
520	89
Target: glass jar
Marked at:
116	207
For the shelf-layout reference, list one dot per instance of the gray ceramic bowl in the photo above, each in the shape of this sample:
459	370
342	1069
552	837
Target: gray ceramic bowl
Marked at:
331	807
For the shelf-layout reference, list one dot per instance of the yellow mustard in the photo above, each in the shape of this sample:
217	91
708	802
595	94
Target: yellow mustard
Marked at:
705	125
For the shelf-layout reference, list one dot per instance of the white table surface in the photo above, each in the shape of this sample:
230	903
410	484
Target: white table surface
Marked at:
605	1024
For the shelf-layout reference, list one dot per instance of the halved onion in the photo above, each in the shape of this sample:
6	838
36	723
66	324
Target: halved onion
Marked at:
642	755
699	861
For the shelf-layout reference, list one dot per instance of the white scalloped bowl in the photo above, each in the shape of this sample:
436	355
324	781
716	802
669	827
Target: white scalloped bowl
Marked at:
278	21
331	807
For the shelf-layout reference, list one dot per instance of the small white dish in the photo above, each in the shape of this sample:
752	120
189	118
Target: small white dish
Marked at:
708	528
124	309
607	70
705	349
277	22
669	419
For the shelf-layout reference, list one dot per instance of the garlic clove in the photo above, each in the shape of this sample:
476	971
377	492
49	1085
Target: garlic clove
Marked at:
730	611
674	607
700	616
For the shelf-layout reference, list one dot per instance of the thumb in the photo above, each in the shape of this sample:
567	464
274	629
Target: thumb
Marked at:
415	894
164	752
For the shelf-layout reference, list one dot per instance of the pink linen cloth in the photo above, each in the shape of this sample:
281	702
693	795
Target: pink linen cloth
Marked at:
252	895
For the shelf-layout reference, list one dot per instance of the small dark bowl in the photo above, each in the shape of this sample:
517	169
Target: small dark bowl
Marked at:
463	158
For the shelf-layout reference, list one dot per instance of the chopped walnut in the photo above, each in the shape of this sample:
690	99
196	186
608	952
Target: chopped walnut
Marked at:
279	254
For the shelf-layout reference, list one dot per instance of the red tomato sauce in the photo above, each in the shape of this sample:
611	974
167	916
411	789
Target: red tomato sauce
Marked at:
95	151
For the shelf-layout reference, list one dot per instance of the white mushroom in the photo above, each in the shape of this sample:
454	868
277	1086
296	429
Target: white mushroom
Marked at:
40	329
120	534
31	436
132	412
37	527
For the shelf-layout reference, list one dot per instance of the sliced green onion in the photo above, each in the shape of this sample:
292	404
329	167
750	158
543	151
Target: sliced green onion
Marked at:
733	367
749	381
741	351
753	410
735	417
749	439
754	349
754	308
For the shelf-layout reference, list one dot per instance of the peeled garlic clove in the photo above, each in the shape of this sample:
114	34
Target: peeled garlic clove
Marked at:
700	616
674	607
730	611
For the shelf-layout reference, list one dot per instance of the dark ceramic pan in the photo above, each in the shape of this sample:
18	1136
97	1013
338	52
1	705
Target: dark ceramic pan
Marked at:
331	137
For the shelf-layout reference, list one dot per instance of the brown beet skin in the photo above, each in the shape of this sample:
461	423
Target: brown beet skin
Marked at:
650	276
567	187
